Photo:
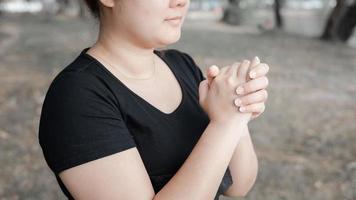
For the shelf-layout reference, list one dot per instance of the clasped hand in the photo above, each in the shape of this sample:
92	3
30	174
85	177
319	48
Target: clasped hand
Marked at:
241	84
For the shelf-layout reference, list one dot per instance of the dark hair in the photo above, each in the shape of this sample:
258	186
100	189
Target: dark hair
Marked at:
93	5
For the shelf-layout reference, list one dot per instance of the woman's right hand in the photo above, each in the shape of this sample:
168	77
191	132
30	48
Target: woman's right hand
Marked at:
217	99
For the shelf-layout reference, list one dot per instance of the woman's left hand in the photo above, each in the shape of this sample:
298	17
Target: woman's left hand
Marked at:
254	92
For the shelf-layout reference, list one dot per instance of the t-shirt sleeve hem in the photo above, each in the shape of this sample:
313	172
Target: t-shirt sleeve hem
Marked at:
92	155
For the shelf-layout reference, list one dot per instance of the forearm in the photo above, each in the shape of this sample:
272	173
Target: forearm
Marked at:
243	167
200	175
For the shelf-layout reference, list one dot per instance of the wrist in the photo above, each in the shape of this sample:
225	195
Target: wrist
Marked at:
233	123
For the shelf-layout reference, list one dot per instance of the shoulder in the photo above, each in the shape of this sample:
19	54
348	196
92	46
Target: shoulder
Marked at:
78	79
73	85
67	81
73	94
80	121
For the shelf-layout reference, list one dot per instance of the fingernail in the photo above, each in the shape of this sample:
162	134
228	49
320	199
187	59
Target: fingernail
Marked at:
240	90
246	62
242	109
257	59
213	67
253	74
237	102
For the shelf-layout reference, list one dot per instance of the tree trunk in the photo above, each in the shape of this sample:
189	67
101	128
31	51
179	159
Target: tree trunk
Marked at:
84	11
231	13
347	23
63	5
0	10
277	13
331	25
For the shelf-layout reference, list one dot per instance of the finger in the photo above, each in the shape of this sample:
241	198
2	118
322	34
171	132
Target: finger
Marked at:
255	62
224	70
242	74
233	69
259	70
203	91
257	107
255	85
213	71
255	115
255	97
243	69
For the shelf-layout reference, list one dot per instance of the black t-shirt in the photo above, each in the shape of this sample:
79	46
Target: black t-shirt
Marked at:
88	113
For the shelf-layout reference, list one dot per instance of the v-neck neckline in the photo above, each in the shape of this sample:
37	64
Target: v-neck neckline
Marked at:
166	61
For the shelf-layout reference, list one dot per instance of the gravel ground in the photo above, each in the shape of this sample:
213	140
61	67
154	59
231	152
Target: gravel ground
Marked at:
304	140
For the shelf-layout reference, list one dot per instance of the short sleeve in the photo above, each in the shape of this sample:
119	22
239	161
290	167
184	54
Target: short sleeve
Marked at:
194	67
80	122
226	182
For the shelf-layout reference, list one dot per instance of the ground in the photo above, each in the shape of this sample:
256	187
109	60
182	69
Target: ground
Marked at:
304	140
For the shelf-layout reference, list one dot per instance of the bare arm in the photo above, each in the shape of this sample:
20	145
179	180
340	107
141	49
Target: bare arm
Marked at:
123	175
202	172
243	167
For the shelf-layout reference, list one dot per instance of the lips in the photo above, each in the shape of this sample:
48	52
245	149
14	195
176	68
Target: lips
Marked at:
175	18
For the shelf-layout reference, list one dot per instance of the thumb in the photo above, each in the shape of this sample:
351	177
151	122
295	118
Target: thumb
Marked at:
213	71
203	91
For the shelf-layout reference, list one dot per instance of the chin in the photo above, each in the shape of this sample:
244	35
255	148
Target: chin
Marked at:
169	38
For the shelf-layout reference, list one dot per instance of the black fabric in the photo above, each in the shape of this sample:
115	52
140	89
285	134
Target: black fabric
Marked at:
88	113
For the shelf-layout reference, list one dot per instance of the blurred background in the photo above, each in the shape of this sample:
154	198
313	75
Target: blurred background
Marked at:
305	139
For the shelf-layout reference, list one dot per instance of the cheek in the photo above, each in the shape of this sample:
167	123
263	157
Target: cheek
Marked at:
146	20
147	23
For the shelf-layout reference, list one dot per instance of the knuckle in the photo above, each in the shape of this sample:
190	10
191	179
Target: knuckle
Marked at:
261	105
246	62
266	67
243	100
266	94
230	81
217	80
256	107
231	70
253	107
246	88
245	65
265	80
262	92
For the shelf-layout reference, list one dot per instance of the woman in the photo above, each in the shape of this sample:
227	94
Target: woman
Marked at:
127	121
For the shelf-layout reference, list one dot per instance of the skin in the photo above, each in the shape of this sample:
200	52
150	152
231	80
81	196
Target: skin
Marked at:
138	38
255	93
244	164
129	32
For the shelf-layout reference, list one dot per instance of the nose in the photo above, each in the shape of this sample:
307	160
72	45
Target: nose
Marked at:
178	3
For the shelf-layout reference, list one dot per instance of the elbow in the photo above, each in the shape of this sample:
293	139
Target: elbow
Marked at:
239	191
240	194
241	188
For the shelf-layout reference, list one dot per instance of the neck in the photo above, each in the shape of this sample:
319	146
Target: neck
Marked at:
122	53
